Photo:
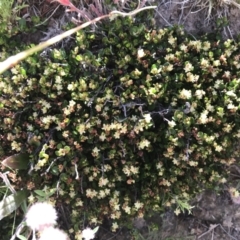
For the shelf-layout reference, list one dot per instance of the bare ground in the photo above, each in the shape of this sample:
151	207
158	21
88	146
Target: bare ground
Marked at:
198	18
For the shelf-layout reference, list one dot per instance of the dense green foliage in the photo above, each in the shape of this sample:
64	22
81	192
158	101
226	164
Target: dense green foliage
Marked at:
10	22
125	122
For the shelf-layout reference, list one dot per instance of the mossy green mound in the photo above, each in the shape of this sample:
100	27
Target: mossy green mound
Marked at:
126	122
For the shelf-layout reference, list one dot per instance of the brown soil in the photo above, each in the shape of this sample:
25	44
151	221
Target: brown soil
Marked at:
198	20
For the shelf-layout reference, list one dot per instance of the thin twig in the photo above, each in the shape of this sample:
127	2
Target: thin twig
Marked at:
76	171
227	232
47	18
211	228
48	169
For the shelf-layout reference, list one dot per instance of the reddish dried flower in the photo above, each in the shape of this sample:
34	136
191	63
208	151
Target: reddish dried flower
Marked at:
67	3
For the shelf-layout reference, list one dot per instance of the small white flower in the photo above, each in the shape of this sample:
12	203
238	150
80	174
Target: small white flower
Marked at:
58	79
204	62
172	40
183	48
188	67
218	83
210	107
51	233
203	118
59	87
127	209
185	94
216	63
72	103
70	87
141	53
218	148
88	234
138	205
134	118
41	215
35	114
171	124
231	106
231	93
199	94
206	46
30	127
114	226
147	117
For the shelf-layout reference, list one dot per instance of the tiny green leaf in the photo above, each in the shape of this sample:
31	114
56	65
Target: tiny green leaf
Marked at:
21	237
95	229
40	193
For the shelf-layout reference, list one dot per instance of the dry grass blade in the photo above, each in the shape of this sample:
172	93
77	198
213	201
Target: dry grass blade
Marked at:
6	181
